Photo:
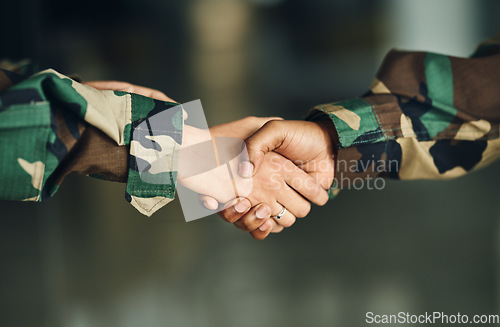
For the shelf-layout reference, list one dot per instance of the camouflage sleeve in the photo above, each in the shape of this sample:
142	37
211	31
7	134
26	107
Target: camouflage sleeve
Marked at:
51	126
426	116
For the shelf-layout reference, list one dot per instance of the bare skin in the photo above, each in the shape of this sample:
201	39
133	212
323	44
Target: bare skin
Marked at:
279	181
308	144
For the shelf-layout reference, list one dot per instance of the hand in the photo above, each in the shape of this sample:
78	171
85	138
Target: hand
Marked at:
278	183
256	220
214	182
209	166
241	129
191	136
308	144
271	187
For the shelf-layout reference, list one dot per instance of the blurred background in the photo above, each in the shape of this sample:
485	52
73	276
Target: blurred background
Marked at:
87	258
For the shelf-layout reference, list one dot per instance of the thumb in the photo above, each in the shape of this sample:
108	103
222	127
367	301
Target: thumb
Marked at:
208	202
268	138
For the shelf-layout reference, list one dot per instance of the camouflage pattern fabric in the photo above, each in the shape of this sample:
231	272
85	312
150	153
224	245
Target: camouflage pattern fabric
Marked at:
51	125
426	116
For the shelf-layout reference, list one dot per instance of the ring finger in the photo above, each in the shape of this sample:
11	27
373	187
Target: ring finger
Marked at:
286	220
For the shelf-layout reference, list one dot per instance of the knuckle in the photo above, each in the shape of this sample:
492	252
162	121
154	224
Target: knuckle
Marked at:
303	210
315	190
241	226
311	189
287	223
323	201
221	214
232	219
271	124
278	229
251	144
246	223
227	216
258	236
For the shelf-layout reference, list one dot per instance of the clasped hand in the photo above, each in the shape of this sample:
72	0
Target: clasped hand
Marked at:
291	163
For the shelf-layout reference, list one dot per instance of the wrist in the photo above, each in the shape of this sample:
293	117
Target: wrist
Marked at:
329	131
189	153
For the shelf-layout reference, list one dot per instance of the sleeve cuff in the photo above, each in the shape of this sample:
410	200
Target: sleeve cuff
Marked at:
360	146
354	121
155	137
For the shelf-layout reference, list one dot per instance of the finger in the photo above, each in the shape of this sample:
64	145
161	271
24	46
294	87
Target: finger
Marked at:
261	121
235	209
242	128
208	202
127	87
286	220
108	85
270	226
293	202
264	230
276	228
256	123
304	184
266	139
148	92
155	94
254	218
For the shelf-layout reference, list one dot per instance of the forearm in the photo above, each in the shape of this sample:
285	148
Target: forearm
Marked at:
52	126
426	116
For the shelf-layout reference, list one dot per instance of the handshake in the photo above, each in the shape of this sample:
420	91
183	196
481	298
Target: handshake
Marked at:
288	164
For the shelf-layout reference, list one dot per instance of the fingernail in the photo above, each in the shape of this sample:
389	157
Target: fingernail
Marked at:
264	227
246	169
210	204
263	212
242	206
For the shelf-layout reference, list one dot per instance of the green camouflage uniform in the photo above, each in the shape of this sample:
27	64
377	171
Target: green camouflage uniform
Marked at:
426	116
51	125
